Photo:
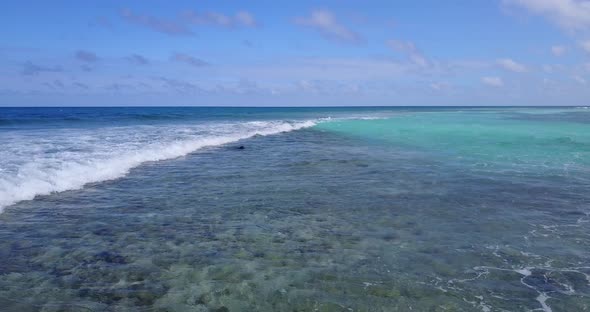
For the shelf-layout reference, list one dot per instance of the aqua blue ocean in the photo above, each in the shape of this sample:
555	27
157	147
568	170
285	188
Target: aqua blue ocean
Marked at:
295	209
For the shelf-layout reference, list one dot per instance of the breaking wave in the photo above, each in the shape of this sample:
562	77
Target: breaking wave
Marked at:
36	163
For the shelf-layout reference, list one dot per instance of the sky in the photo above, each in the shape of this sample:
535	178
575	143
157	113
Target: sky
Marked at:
295	53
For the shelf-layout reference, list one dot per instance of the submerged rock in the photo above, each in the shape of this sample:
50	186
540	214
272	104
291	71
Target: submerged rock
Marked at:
110	257
102	231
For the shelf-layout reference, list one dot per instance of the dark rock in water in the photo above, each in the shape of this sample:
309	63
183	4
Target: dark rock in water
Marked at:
540	281
241	147
390	237
221	309
258	254
110	257
84	292
101	232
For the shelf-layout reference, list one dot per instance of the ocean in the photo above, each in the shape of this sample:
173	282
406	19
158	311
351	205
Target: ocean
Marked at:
295	209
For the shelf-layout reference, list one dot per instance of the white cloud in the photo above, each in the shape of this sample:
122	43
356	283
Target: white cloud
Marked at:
31	69
242	18
570	15
165	26
306	85
585	45
410	50
439	86
329	27
326	87
558	50
548	68
188	59
245	18
579	80
511	65
316	69
493	81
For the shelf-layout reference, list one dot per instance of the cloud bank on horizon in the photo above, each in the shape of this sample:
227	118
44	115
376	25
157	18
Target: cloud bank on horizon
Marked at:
305	53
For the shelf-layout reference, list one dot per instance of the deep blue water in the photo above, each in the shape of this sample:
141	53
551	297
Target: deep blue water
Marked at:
324	209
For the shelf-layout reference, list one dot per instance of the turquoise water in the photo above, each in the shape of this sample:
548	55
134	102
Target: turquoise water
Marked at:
362	209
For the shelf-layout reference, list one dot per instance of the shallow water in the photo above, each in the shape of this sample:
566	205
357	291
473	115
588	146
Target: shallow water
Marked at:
423	210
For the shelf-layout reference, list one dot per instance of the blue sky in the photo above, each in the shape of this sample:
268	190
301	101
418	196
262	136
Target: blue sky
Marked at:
295	53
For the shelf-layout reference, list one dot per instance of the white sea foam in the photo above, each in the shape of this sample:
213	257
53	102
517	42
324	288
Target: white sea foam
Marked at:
542	298
38	162
363	117
524	271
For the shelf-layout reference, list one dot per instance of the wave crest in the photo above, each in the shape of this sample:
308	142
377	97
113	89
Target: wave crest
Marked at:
54	167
